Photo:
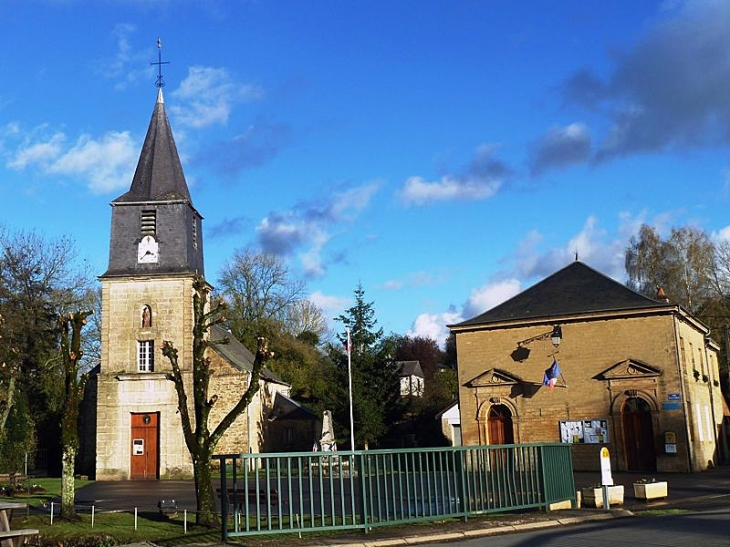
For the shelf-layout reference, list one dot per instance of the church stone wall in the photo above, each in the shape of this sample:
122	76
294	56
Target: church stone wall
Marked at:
229	383
123	390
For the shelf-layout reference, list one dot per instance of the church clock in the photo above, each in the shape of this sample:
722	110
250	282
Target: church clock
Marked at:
147	250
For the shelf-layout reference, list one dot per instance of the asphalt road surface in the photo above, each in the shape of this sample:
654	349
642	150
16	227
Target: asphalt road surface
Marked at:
706	528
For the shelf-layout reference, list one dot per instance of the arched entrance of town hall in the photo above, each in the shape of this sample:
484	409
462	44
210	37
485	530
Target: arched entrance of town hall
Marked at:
500	429
636	421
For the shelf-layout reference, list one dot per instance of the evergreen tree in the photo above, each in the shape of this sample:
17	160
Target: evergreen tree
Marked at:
374	375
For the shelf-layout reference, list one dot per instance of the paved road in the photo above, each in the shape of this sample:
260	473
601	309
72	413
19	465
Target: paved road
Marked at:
708	529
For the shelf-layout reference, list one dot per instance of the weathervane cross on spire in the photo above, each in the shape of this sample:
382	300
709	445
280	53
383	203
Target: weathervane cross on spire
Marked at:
160	82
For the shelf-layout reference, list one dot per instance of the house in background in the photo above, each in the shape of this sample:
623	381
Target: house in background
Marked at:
579	358
451	423
291	427
411	378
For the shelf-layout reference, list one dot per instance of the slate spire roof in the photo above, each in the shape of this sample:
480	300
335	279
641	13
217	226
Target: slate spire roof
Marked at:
159	174
576	288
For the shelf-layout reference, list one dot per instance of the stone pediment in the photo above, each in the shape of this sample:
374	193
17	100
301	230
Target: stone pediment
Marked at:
629	369
494	377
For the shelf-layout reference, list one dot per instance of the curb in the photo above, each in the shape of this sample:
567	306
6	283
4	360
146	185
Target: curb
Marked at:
496	530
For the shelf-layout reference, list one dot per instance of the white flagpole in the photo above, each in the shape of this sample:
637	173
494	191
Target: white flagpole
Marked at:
349	386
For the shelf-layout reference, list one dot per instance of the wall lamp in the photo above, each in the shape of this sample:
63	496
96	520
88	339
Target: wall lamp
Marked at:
522	352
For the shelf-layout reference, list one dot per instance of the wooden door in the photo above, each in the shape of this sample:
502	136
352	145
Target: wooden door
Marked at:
638	435
500	432
500	425
145	446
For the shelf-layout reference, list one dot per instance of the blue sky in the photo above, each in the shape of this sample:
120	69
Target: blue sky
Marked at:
445	154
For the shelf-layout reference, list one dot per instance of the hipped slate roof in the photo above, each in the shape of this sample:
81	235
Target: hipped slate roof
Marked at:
575	289
238	355
409	368
159	175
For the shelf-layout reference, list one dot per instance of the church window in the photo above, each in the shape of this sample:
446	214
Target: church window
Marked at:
148	220
145	356
146	317
195	233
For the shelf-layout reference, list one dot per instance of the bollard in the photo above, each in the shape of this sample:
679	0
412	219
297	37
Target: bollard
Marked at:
606	500
92	516
578	499
185	525
135	518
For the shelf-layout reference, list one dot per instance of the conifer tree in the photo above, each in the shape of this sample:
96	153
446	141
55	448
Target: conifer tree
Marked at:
374	375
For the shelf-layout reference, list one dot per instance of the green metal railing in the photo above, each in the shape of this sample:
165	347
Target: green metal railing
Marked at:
303	492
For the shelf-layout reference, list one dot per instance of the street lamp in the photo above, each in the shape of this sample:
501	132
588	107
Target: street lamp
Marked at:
523	352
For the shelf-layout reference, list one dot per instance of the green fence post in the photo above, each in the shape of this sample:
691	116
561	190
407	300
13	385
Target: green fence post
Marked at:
363	491
224	501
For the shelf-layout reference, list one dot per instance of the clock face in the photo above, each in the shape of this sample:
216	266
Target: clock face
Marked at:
147	250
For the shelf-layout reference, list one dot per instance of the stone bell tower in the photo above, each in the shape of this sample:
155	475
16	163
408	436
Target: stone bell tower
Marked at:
155	254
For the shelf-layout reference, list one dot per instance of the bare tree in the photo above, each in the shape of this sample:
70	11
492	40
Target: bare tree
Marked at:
199	439
303	317
73	392
682	265
259	290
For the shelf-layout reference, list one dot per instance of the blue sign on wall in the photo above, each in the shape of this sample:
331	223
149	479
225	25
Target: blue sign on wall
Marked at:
673	397
671	405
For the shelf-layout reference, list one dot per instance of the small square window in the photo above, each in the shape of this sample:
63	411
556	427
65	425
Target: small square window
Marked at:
146	356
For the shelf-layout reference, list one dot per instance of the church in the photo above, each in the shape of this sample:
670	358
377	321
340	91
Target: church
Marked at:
133	428
579	358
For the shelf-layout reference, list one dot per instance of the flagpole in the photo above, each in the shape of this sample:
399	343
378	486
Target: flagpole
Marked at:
349	388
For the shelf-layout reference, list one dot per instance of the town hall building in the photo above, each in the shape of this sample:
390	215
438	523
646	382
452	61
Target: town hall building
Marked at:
579	358
155	256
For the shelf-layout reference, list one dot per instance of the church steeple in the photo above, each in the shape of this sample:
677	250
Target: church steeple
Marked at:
156	230
159	174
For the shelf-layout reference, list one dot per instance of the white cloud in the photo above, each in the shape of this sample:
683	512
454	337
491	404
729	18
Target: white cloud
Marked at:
106	163
208	94
434	326
419	191
721	235
489	295
416	279
329	304
42	153
481	179
353	200
592	243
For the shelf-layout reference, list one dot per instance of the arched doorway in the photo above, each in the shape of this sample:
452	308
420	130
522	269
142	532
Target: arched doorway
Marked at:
499	425
638	431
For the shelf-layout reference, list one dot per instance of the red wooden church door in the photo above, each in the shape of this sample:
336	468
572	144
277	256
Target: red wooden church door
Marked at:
144	446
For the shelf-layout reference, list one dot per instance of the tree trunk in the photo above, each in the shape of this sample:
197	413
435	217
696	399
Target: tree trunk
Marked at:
206	507
67	483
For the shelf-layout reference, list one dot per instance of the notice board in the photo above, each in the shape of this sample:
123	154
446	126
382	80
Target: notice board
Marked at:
584	431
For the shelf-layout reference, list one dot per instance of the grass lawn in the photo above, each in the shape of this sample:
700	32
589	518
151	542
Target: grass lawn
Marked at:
109	528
